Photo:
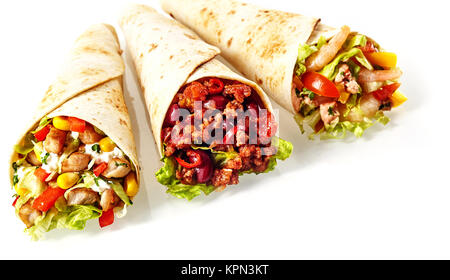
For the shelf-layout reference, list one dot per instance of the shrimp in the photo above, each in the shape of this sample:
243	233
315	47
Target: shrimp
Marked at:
366	76
326	54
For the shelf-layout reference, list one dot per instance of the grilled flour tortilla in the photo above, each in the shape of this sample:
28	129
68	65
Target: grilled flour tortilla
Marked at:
177	69
333	80
77	159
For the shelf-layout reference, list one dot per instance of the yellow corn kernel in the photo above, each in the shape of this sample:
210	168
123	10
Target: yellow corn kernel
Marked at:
67	180
107	145
131	185
398	99
21	191
61	123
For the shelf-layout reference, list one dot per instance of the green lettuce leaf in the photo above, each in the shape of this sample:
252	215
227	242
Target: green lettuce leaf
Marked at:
304	51
27	146
284	152
118	189
330	71
75	217
355	41
42	224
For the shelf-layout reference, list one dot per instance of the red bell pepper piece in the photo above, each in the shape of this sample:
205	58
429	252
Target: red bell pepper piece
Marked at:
15	201
107	218
47	199
42	133
385	92
77	125
41	174
100	168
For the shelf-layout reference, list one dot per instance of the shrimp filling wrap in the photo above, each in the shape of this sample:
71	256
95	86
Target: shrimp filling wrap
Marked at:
77	160
344	84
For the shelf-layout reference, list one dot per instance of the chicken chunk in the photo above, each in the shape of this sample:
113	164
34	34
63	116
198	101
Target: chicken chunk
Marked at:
329	112
82	196
109	200
54	142
28	214
90	136
117	168
76	162
33	160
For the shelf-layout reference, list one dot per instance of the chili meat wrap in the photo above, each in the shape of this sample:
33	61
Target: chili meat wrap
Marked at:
188	90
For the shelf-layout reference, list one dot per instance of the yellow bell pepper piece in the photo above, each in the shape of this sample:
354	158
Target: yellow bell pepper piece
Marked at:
107	145
131	185
383	59
398	99
61	123
67	180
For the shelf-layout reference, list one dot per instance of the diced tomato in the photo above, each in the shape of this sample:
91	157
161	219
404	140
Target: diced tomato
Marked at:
319	126
385	92
215	86
107	218
41	174
100	168
369	48
320	85
47	199
15	201
77	125
42	133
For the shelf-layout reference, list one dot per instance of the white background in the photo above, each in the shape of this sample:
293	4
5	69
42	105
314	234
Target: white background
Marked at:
384	196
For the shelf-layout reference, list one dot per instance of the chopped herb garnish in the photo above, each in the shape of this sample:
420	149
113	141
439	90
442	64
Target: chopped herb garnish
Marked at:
96	180
330	111
14	166
308	93
15	179
121	164
44	159
96	148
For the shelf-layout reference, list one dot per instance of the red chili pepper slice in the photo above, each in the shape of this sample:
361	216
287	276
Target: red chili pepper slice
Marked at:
15	201
107	218
42	134
215	86
41	174
47	199
100	168
385	92
77	125
194	156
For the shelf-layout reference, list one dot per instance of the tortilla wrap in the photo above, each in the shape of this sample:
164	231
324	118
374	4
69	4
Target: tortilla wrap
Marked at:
167	56
262	44
89	87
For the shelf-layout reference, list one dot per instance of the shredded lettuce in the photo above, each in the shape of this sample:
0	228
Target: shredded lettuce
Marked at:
118	189
284	151
27	146
330	71
304	51
355	41
339	131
